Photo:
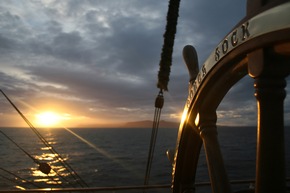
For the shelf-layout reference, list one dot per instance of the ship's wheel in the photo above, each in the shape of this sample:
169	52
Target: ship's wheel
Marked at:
259	46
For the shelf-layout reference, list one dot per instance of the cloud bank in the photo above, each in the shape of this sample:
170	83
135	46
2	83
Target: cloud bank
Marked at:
97	61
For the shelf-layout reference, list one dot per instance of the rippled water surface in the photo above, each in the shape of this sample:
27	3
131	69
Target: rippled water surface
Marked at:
112	157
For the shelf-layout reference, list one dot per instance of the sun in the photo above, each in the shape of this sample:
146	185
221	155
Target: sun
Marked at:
47	119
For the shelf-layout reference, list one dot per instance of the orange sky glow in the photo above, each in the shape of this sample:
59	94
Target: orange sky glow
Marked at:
98	67
61	117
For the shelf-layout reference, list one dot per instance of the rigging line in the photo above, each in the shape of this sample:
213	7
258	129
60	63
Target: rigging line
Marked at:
163	75
16	176
51	149
59	157
158	106
37	133
8	179
15	182
43	167
45	142
152	149
35	160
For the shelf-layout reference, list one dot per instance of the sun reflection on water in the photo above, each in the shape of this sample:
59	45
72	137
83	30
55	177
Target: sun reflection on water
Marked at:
41	167
20	187
58	173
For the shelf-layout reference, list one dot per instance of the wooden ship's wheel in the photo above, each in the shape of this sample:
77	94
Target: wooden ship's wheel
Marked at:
259	46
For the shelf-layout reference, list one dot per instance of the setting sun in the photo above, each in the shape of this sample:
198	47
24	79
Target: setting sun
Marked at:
47	119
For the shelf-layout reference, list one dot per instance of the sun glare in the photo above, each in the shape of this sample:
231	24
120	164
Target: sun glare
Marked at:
47	119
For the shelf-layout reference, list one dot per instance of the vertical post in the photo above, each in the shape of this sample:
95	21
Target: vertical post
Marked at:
217	172
269	71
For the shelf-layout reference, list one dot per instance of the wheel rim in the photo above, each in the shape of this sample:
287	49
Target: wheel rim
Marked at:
223	69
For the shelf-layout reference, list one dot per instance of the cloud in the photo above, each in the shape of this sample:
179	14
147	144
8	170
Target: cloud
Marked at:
239	104
99	59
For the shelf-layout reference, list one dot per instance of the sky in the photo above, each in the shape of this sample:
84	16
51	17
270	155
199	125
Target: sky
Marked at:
96	62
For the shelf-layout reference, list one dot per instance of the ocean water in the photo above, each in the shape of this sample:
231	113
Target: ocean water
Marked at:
115	157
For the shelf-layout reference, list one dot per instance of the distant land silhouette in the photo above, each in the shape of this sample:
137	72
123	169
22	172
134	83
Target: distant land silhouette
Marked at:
149	124
135	124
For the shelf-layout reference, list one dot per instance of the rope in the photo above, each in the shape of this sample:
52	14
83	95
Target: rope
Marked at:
43	167
35	160
158	106
163	76
17	177
167	49
73	173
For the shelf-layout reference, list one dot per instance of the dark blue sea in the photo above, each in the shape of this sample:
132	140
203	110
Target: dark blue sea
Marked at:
114	157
